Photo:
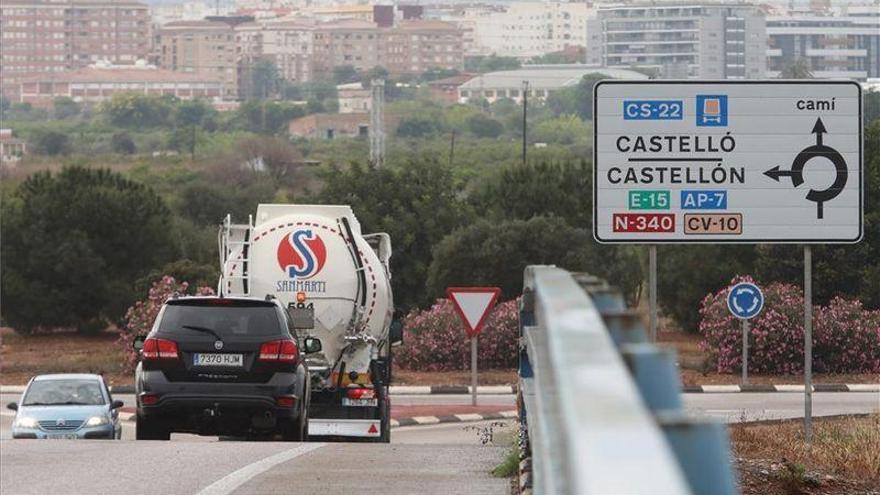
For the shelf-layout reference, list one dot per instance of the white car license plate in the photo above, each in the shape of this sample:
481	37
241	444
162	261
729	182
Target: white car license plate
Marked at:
62	436
212	359
359	402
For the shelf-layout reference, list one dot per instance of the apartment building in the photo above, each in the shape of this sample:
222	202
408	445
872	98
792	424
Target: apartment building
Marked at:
693	40
40	36
832	47
412	47
204	47
287	42
415	46
354	42
527	29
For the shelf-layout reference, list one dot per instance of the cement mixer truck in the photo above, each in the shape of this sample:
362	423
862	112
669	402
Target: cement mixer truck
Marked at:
336	285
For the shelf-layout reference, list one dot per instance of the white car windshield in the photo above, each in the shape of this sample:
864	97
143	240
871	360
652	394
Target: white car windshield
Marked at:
64	393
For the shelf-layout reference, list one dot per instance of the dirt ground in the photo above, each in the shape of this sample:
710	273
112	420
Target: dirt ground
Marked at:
23	357
66	352
843	459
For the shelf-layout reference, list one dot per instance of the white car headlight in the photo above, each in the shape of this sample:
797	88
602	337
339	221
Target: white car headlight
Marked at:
25	422
97	421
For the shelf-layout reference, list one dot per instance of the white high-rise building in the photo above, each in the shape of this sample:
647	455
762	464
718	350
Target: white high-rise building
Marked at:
681	40
528	29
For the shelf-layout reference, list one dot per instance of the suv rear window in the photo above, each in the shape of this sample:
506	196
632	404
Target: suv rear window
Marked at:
225	320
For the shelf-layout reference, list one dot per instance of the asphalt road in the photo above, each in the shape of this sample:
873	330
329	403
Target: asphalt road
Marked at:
439	459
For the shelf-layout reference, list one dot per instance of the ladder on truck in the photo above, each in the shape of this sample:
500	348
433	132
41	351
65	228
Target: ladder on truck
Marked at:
234	243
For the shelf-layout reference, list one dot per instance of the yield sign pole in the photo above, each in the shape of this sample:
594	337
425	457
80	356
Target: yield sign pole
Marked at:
473	305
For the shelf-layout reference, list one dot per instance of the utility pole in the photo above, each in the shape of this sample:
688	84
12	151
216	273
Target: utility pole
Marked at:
525	99
377	122
452	148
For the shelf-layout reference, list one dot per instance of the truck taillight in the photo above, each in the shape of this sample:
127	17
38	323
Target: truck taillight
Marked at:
279	351
361	393
159	349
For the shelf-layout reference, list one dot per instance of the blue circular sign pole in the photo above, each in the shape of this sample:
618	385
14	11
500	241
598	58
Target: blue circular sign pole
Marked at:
745	301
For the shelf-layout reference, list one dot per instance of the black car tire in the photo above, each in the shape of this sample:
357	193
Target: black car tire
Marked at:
297	430
146	429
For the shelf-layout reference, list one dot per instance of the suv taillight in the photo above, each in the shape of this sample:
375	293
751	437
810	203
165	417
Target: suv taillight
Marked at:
159	349
279	351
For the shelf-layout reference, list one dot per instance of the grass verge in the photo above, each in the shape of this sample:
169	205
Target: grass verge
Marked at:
844	456
510	465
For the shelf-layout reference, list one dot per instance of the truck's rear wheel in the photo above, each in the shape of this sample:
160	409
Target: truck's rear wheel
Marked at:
385	426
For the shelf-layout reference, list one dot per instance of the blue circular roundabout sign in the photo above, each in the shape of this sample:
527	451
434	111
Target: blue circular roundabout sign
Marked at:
745	300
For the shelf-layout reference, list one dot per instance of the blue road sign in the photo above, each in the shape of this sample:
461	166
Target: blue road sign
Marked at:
745	300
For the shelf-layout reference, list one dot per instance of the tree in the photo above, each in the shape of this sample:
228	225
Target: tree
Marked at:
491	63
417	205
133	110
496	253
73	245
436	73
799	69
51	143
485	127
188	117
578	98
274	155
565	129
415	127
561	190
377	72
264	79
343	74
265	117
65	108
122	143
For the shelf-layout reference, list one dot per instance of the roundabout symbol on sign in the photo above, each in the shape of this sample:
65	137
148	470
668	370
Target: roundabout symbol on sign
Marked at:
797	169
745	300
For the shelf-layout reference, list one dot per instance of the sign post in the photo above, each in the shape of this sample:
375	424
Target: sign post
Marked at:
473	305
745	301
808	343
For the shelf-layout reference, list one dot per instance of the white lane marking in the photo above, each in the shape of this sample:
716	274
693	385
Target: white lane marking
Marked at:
235	479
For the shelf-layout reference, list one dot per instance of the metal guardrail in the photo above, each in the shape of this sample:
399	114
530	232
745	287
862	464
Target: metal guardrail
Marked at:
602	406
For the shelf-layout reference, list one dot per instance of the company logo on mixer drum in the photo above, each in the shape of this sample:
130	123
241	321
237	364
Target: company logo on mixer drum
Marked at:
302	254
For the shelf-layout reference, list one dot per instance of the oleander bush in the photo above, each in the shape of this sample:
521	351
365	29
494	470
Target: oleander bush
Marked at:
139	318
846	337
435	339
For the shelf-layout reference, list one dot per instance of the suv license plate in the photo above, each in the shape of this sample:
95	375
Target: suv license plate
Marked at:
359	402
62	436
203	359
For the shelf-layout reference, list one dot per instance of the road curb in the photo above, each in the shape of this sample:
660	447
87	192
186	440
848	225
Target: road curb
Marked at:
764	388
511	389
395	389
451	418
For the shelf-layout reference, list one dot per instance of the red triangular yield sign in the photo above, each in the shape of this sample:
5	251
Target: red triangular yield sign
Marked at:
373	429
473	304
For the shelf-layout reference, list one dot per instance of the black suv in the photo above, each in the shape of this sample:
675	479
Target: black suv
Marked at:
222	366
